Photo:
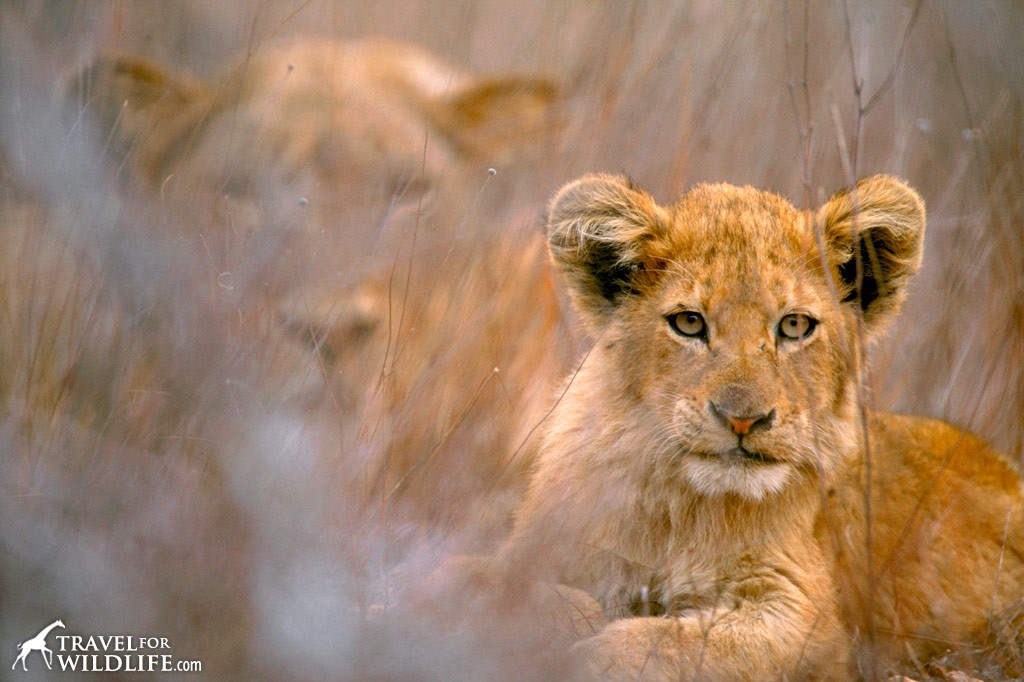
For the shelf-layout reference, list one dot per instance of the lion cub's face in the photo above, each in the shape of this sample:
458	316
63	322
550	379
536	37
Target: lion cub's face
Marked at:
726	332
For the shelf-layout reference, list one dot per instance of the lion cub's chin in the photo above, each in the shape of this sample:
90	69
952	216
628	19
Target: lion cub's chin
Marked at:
714	476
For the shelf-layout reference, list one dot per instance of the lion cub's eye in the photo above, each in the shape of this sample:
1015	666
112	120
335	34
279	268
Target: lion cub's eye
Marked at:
796	326
687	323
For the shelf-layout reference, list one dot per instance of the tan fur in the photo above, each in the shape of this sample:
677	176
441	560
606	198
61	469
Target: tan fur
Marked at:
776	561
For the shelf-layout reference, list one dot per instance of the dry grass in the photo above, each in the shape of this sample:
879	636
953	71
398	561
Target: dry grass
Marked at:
171	465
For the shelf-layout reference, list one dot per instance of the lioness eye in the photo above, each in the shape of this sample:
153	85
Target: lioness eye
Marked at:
796	326
687	323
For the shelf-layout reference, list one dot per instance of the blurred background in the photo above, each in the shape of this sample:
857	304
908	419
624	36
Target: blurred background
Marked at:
249	408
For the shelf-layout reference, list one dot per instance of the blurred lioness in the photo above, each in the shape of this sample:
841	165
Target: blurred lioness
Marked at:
327	194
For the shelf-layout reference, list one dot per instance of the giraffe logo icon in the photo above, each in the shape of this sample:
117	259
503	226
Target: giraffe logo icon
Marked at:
37	643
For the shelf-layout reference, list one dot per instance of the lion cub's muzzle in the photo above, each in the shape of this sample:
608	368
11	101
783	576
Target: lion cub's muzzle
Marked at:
743	423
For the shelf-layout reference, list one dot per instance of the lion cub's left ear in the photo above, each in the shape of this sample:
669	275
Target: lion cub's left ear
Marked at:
874	236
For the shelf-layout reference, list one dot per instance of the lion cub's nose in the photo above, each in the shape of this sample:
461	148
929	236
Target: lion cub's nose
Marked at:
742	426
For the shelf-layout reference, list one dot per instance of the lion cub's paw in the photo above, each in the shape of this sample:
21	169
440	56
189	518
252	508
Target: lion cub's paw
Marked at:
631	649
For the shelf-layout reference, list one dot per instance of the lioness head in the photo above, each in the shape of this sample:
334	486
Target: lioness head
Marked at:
727	322
348	128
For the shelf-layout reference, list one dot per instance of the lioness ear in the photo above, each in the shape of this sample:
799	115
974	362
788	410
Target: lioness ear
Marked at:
874	237
602	234
136	108
495	117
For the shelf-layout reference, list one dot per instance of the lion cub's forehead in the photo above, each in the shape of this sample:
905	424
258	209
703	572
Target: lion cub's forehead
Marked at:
749	241
742	221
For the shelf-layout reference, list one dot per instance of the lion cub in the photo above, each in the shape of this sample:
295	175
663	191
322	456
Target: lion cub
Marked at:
707	475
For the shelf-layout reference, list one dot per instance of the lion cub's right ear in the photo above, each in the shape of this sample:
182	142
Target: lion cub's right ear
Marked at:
603	235
135	108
